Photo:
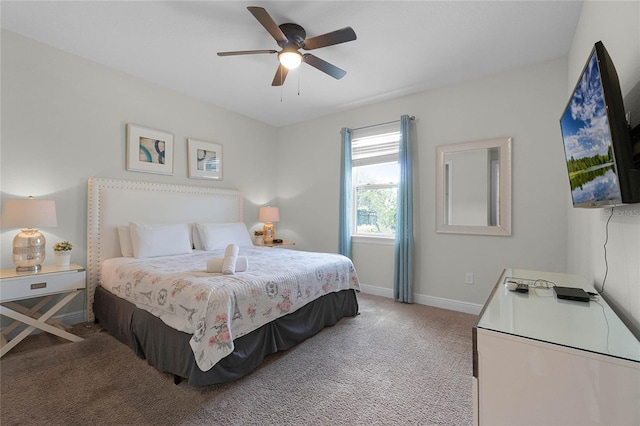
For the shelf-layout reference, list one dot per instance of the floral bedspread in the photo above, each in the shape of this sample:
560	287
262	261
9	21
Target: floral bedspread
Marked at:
218	308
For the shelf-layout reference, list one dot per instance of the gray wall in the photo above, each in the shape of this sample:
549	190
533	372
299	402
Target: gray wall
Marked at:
524	104
64	120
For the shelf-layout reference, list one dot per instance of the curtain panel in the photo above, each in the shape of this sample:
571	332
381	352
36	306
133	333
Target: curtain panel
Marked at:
345	225
403	254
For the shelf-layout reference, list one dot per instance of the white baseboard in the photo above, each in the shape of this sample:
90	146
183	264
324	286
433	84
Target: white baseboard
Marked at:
423	299
70	318
376	291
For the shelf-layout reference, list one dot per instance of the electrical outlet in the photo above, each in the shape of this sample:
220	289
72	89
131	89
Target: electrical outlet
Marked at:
468	278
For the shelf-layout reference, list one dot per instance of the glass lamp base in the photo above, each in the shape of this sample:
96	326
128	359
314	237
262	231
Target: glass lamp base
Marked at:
28	250
32	269
268	232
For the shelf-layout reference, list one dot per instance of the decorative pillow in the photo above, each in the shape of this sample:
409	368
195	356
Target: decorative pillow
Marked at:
125	241
159	240
215	236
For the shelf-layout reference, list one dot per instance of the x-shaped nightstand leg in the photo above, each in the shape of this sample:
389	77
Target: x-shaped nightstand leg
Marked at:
38	322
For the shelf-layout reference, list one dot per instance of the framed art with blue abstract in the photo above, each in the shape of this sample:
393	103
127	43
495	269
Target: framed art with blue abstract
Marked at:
149	150
205	159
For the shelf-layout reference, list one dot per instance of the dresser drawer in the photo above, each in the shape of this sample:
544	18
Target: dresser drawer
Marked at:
41	285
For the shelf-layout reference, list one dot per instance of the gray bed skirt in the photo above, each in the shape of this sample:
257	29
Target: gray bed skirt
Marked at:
168	349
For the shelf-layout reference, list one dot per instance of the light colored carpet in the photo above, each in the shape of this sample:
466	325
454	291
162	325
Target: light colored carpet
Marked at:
393	364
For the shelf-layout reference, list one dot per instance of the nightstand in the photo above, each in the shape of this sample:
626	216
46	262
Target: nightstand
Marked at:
63	282
282	244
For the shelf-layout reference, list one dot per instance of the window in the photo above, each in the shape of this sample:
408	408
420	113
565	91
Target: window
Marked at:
376	173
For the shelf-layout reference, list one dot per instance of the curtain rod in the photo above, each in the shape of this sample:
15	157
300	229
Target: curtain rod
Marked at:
381	124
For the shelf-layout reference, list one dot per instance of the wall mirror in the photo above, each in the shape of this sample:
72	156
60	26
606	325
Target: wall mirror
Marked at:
473	187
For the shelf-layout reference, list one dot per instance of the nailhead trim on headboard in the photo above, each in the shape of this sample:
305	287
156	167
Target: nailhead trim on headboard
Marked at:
226	205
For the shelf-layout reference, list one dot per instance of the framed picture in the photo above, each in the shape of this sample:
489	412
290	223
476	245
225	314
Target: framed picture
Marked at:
205	159
149	150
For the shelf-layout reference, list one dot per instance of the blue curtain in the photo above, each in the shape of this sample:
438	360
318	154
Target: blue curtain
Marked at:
403	256
344	228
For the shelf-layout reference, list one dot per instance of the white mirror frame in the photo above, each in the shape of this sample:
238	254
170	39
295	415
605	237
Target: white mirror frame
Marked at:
504	227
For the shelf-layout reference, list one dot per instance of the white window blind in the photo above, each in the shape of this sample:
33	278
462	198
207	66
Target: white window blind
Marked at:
375	145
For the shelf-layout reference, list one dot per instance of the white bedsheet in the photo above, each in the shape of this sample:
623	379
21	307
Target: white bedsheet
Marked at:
218	308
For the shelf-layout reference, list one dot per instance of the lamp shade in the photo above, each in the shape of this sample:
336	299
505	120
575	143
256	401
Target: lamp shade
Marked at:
269	214
29	213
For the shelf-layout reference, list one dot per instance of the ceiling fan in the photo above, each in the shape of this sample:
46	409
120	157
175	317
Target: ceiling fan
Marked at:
291	37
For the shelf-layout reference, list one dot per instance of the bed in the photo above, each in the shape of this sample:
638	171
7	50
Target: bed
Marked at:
202	326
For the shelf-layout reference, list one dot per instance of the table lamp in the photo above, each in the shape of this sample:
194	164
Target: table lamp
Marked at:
28	215
268	215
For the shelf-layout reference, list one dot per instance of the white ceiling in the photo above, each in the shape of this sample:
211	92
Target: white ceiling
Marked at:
402	47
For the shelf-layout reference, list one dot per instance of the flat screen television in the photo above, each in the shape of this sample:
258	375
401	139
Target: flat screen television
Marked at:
597	139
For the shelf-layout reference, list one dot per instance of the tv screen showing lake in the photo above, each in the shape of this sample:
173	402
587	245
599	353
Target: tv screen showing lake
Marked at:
587	142
592	186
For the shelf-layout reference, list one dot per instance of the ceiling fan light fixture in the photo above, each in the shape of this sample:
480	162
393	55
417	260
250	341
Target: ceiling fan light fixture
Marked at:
292	37
290	59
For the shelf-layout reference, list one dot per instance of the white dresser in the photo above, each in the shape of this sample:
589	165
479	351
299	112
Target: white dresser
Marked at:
539	360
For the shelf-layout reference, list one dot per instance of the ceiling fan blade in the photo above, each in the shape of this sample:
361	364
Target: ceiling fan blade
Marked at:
246	52
323	66
281	74
268	23
329	39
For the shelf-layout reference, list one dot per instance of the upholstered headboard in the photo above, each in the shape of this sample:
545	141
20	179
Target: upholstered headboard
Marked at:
113	203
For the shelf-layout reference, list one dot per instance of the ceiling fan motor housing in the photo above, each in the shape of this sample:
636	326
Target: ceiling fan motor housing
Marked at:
295	35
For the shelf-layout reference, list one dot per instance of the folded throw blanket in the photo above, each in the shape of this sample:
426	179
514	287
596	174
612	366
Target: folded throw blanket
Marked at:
215	265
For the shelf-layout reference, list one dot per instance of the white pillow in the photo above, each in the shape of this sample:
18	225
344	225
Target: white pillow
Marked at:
215	236
125	241
159	240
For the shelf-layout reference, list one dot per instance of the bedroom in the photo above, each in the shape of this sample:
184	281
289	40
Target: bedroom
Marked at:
63	121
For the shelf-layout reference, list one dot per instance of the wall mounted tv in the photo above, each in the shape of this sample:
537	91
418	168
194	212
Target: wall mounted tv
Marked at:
598	141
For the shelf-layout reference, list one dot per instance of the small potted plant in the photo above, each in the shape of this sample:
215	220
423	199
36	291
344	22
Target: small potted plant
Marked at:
257	237
62	252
